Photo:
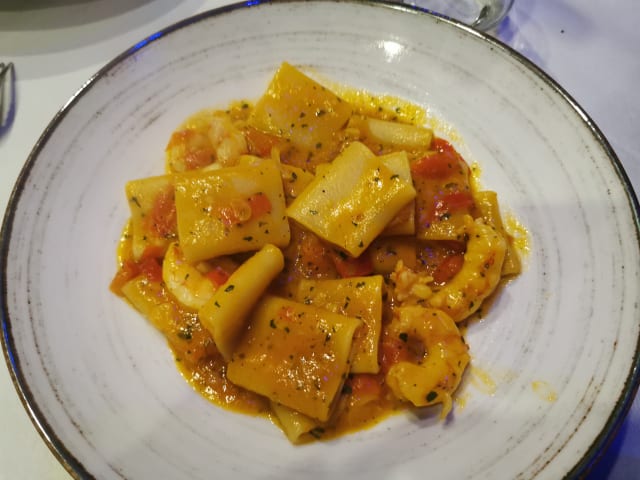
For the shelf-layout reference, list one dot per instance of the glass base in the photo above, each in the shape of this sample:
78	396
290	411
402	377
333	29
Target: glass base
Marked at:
481	14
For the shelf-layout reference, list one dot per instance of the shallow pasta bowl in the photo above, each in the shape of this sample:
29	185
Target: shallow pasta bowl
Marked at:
554	360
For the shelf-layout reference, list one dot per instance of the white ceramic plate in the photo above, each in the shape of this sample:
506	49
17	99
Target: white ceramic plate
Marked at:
100	382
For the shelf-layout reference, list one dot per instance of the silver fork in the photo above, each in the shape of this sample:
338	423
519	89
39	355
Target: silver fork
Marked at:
6	94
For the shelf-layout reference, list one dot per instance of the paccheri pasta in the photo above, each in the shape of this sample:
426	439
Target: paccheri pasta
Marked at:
310	257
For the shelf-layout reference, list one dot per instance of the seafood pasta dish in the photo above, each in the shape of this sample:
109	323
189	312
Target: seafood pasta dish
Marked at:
313	256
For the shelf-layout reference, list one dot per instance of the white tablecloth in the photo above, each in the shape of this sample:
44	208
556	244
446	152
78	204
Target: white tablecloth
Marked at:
591	47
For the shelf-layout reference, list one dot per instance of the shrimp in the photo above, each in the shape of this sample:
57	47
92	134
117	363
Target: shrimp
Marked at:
208	139
410	286
227	140
187	284
440	357
188	149
479	275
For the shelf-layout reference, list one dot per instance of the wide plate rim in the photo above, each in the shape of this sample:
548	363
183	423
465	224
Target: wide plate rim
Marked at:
66	458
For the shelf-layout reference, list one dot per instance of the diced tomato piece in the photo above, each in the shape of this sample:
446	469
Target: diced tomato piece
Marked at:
352	266
162	220
230	216
441	145
441	163
126	272
448	268
149	265
261	143
451	203
240	210
260	204
198	158
457	201
151	268
218	276
365	385
435	165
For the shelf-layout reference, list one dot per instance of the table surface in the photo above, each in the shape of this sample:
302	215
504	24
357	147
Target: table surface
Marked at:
591	47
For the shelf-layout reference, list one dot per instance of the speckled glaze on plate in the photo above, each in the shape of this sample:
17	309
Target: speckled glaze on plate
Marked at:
554	361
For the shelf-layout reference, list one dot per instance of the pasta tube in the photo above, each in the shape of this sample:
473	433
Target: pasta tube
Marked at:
224	315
